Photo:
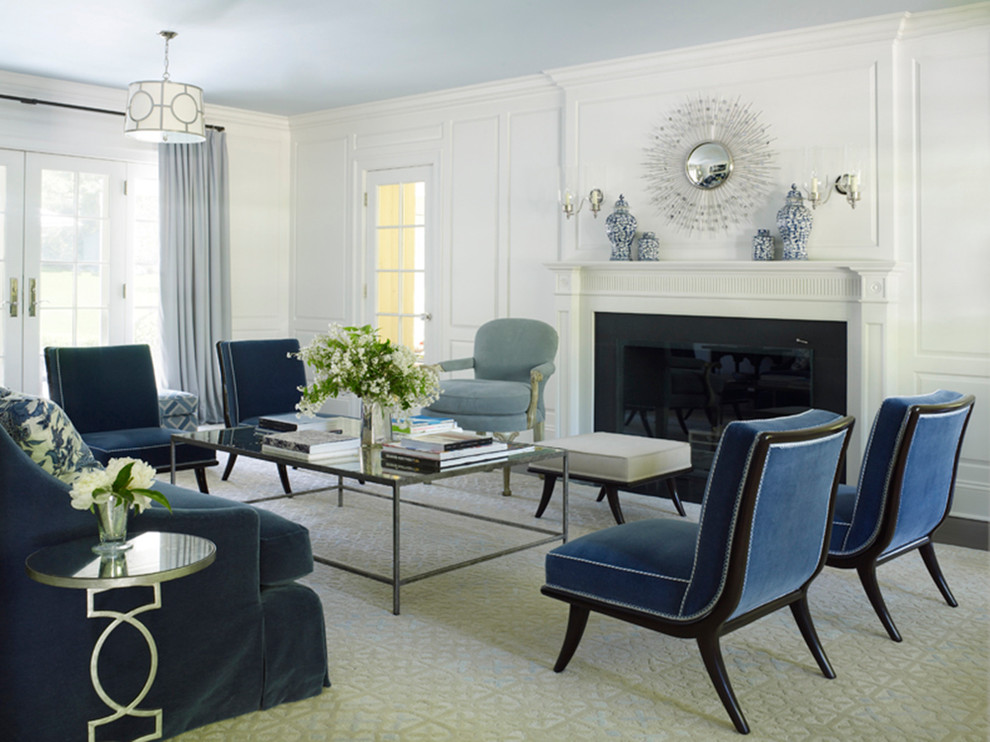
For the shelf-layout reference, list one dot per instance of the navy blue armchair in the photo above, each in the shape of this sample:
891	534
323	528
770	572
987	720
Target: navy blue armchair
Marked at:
239	636
904	491
761	539
261	378
111	396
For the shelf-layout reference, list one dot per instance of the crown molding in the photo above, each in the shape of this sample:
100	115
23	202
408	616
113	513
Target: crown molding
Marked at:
963	18
882	29
486	93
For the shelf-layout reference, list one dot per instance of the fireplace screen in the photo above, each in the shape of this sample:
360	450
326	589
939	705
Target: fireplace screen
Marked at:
686	378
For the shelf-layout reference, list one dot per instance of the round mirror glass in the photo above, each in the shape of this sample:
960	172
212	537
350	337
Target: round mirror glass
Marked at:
708	165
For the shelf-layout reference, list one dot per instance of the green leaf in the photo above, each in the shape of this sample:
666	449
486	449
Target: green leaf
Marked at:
123	477
156	496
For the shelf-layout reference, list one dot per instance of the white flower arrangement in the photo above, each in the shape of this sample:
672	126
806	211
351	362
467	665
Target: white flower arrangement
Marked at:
356	360
126	480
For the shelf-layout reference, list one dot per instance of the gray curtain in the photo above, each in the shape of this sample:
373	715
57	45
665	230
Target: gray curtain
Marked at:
195	267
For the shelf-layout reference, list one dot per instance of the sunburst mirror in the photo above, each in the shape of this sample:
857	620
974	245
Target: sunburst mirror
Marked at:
709	164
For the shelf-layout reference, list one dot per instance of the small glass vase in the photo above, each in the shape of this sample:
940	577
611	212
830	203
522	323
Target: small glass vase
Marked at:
376	424
111	517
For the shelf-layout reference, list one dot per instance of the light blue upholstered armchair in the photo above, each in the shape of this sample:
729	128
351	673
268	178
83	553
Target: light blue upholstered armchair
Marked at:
513	358
761	539
904	491
111	397
260	379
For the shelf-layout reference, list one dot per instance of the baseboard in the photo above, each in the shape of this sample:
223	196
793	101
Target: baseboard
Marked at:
974	534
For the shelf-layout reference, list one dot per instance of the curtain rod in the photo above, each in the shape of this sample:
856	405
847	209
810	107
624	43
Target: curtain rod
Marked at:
37	102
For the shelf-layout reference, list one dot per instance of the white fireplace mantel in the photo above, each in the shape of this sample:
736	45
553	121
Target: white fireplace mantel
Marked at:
861	293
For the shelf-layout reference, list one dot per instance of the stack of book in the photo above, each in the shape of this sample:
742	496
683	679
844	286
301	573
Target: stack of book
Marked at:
311	445
422	424
440	451
290	422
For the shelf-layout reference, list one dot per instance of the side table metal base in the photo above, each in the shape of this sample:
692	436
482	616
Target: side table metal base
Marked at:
118	619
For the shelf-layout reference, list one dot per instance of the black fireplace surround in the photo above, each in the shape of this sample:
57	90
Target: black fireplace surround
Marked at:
686	377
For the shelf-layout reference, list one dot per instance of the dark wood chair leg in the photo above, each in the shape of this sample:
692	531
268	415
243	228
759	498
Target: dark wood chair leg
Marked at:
612	494
283	474
672	489
201	480
231	458
577	619
928	555
601	494
549	480
802	615
868	576
712	656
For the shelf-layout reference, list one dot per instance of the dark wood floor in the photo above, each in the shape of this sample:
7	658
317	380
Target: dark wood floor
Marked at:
974	534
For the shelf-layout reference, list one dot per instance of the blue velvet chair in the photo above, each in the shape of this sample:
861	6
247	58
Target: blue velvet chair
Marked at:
261	378
761	539
513	358
111	396
904	491
240	636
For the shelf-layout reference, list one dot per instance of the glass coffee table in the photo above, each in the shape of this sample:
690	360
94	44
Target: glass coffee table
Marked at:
366	468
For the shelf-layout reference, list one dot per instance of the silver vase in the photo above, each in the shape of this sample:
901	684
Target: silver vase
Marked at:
111	519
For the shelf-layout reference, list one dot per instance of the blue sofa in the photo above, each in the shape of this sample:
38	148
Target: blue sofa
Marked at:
239	636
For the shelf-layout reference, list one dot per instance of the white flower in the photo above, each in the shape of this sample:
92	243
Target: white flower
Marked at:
86	485
96	486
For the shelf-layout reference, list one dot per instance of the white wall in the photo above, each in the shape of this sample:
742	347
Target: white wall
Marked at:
905	96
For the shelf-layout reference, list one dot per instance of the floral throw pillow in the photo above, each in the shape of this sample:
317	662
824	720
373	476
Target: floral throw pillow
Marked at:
43	430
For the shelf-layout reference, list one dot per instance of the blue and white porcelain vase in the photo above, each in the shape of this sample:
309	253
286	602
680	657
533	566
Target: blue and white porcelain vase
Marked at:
794	223
763	245
649	247
620	228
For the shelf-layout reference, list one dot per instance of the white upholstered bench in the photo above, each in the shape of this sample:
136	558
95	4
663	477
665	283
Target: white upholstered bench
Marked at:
614	461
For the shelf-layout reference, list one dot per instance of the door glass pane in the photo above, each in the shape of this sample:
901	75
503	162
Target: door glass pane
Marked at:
400	262
74	285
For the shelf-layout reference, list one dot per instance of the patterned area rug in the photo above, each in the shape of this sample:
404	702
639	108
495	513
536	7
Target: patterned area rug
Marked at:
470	656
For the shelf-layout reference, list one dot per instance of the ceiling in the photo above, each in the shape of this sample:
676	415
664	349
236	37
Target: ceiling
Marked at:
290	57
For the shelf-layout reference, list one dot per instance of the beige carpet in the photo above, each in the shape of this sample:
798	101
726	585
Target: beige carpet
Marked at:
470	657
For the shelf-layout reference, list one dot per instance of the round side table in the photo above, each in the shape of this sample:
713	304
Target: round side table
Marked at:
153	558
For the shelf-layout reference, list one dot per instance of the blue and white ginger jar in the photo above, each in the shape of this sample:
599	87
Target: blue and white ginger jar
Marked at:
794	223
763	245
620	228
649	247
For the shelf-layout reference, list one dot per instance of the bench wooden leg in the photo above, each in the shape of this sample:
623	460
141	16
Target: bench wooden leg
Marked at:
612	494
548	483
672	489
283	474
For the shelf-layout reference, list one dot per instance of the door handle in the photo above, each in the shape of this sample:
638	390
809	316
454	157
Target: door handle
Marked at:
13	297
32	297
426	316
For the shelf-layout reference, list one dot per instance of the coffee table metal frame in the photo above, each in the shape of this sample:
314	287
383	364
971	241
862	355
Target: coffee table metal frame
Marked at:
152	557
366	468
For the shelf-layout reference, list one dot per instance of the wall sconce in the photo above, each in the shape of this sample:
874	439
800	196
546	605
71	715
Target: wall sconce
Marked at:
848	184
595	198
568	199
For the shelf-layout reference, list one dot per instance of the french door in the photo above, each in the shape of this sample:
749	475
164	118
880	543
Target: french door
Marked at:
75	258
399	256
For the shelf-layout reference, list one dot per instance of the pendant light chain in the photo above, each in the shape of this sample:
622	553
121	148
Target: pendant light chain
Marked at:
168	36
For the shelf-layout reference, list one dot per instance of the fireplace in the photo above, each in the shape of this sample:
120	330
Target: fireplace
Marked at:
686	377
852	302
